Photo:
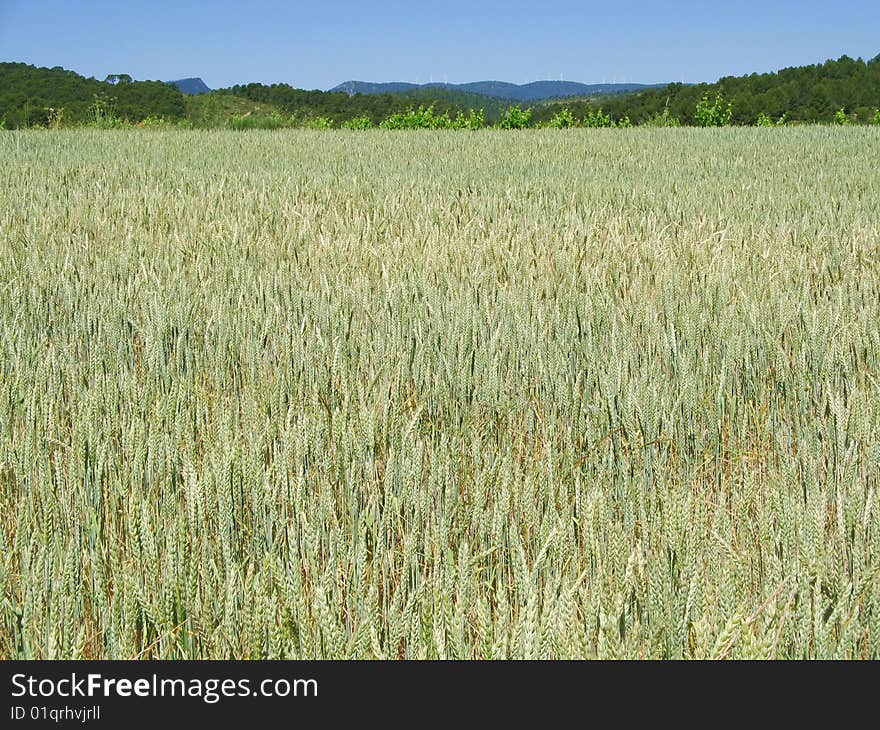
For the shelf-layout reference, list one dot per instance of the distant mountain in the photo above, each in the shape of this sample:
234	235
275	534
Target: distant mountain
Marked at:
191	86
366	87
535	91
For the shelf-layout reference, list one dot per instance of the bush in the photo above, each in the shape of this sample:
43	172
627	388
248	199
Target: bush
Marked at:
155	122
516	118
562	119
662	119
102	114
764	120
597	119
474	120
876	120
54	117
840	117
421	118
358	123
442	121
624	123
274	120
714	114
319	123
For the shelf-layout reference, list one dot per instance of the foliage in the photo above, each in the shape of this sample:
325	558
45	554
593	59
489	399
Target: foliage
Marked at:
162	123
475	119
713	114
335	105
563	119
318	123
55	118
876	118
515	118
455	101
841	117
596	118
421	118
804	94
764	120
103	114
214	110
27	93
273	120
358	123
662	119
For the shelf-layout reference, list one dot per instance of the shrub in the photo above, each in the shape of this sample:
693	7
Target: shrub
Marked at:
516	118
713	114
562	119
358	123
840	117
319	123
421	118
274	120
442	121
54	117
156	122
102	114
764	120
596	119
474	120
876	120
624	123
662	119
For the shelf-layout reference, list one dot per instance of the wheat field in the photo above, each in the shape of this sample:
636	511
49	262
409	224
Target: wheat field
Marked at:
550	394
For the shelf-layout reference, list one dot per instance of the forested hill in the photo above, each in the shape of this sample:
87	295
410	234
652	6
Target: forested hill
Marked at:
803	94
32	96
28	93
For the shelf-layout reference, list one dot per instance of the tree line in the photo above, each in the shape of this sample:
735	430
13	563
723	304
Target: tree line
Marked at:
841	91
807	94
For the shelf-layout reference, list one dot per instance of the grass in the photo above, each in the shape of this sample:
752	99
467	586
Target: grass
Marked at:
592	393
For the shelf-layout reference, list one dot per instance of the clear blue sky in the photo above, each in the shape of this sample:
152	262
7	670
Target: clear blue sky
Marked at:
319	44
